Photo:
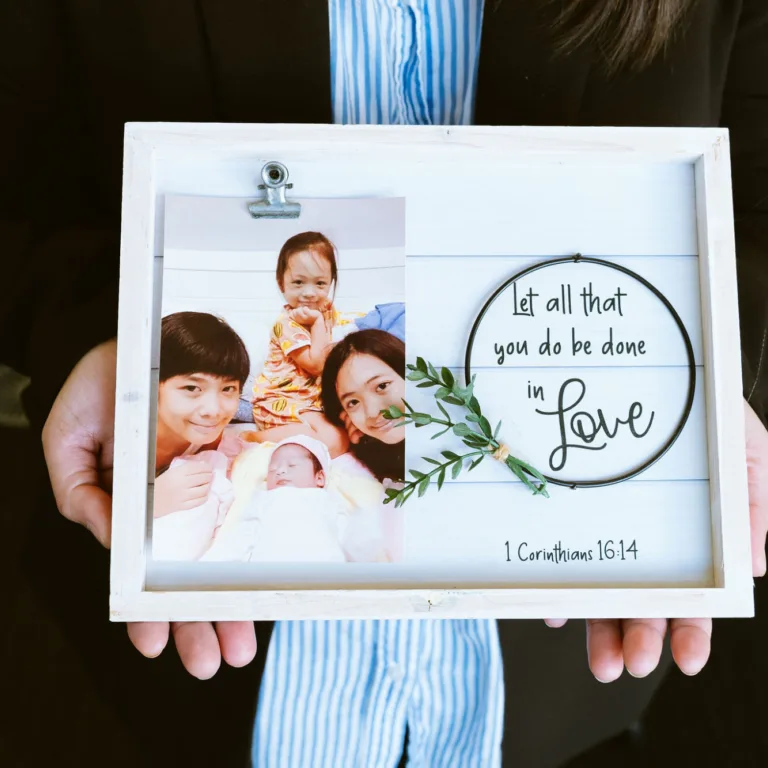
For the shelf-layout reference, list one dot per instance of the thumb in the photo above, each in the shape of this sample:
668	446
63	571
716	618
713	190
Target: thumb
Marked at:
92	506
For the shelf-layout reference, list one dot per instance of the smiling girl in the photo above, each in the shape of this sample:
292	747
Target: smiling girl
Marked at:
365	374
286	398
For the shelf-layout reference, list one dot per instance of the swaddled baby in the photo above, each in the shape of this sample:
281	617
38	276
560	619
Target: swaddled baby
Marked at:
296	519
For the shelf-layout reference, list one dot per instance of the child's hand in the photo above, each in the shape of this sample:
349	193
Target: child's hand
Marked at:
182	487
352	431
306	316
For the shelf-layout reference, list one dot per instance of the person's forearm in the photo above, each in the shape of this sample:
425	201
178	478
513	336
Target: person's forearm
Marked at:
318	350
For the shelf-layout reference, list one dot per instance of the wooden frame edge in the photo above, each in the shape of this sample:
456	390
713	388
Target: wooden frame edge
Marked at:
724	400
446	603
128	557
129	600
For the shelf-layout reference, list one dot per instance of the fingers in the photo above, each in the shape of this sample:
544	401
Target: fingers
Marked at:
643	642
555	623
237	640
638	643
92	507
199	645
72	460
195	472
757	476
691	643
303	315
200	481
185	486
78	439
353	432
190	503
105	480
195	496
149	637
193	480
73	468
604	649
198	648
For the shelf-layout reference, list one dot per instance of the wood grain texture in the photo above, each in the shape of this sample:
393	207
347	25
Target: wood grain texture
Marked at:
722	366
455	177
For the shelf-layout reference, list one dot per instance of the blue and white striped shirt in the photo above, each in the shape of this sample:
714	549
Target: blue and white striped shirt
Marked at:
404	62
338	694
341	693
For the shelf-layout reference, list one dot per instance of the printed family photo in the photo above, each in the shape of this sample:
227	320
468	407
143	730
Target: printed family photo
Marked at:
281	343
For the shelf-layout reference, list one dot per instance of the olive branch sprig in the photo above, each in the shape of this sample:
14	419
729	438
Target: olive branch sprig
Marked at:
482	439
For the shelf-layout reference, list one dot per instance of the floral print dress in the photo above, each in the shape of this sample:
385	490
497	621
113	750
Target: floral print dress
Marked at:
284	390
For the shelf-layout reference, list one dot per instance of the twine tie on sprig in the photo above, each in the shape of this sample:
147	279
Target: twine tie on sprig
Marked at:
501	453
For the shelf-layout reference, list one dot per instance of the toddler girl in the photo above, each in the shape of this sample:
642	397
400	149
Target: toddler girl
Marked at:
287	394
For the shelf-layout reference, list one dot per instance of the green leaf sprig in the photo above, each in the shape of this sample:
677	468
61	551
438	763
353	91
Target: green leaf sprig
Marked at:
480	437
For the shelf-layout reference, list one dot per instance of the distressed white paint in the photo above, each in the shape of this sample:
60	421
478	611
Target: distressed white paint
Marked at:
508	193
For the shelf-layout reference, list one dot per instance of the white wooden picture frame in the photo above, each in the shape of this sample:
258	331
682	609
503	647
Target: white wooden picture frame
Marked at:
609	192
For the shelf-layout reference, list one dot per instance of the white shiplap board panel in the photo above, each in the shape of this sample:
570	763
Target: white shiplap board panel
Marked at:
448	293
532	437
618	206
669	521
436	289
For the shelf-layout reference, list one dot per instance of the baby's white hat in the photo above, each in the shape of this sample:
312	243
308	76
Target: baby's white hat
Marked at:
315	447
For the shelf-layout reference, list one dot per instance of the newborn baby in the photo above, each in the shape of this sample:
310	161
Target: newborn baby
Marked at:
296	519
293	465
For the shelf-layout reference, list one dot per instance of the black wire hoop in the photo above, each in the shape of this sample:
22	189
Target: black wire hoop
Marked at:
579	259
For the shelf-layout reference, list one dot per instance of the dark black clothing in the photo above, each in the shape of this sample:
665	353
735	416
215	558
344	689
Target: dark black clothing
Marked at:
74	71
